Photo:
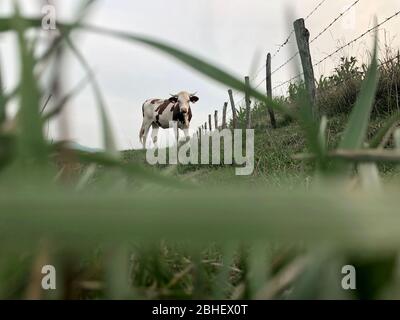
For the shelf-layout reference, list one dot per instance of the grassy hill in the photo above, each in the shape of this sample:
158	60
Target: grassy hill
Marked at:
274	151
274	148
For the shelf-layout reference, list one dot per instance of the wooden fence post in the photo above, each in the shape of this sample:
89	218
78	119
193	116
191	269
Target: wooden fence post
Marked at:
248	102
209	122
216	119
224	115
303	37
234	116
269	91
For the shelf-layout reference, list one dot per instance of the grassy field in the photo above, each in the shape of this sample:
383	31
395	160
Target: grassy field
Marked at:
275	164
114	227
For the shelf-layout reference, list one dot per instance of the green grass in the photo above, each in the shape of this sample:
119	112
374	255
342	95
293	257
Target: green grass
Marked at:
116	228
274	150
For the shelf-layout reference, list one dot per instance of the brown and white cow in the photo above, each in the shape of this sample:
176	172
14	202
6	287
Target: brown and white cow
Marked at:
159	113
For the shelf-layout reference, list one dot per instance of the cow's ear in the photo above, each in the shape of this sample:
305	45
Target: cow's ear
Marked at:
173	99
194	99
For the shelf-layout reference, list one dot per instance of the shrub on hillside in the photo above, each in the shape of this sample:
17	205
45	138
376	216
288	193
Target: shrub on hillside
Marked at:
337	93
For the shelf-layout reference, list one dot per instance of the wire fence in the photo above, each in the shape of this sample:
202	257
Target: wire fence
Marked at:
341	15
282	45
287	40
357	38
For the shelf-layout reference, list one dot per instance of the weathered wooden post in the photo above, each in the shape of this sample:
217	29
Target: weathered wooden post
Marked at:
248	102
303	37
234	116
224	126
216	119
209	122
269	91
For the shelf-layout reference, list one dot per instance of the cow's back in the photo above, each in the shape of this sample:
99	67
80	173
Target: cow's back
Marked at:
160	111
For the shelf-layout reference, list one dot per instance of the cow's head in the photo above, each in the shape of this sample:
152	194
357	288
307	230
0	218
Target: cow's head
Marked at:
184	99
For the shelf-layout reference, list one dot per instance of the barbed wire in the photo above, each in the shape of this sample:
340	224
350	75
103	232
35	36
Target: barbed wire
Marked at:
284	44
349	77
339	49
260	83
352	76
342	14
319	35
288	81
287	40
315	9
356	39
281	46
238	102
258	72
285	63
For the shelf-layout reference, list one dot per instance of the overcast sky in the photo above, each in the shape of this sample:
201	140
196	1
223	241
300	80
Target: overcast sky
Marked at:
234	34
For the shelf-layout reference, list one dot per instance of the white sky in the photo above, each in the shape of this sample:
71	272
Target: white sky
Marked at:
234	34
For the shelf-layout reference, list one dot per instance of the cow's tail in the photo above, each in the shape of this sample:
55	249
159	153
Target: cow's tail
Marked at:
141	132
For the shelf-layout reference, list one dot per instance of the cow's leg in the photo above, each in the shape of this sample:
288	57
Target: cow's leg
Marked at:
141	133
154	134
145	132
175	130
186	132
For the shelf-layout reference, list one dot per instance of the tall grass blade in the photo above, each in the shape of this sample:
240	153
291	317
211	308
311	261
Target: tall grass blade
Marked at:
31	143
222	277
311	128
396	136
189	59
108	137
381	136
192	61
135	170
356	129
258	268
64	100
2	98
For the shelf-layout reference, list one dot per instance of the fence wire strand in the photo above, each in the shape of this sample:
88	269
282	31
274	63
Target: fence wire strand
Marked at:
315	9
381	64
341	15
281	46
238	102
285	63
357	39
258	72
288	81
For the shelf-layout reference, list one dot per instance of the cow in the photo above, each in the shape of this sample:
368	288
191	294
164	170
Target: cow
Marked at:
159	113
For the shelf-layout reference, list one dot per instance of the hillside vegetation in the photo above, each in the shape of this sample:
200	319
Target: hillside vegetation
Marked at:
275	148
